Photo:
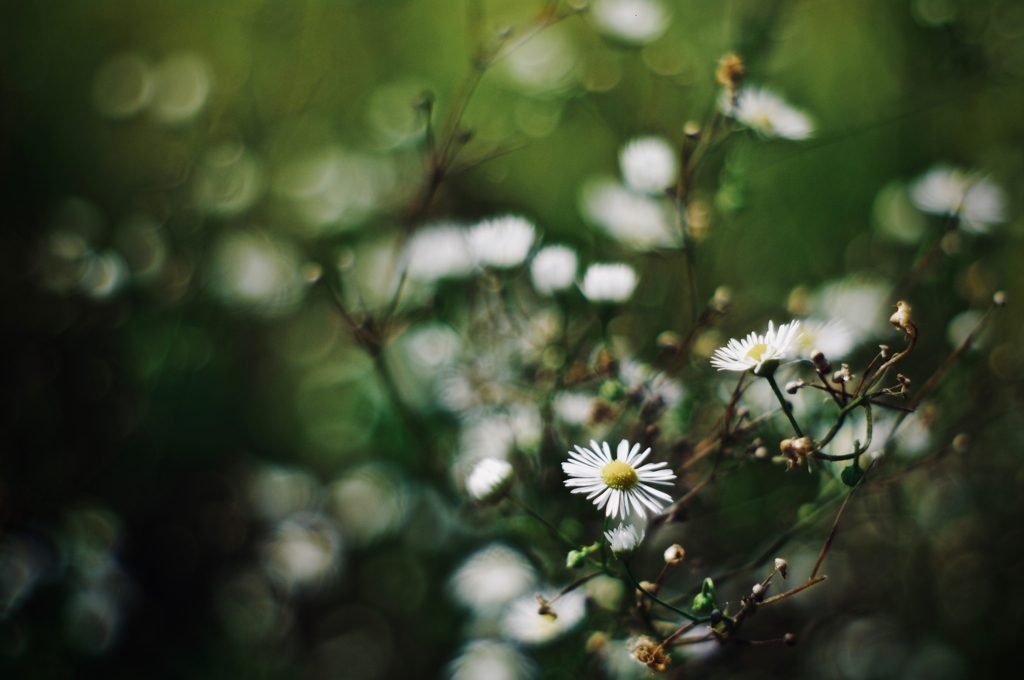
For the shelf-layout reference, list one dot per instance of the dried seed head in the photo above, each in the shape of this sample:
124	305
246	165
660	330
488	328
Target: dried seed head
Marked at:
781	566
674	554
901	318
821	364
793	386
884	351
650	653
731	71
795	450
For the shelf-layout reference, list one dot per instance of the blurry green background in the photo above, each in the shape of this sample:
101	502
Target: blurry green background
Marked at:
134	419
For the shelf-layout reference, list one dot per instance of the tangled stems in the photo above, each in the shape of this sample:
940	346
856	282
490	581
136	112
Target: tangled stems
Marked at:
684	614
858	450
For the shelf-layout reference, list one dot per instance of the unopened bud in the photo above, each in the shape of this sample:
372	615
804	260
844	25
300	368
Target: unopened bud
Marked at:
884	351
821	364
999	299
722	299
761	452
789	639
670	341
781	566
652	588
793	386
674	554
716	617
900	319
961	442
756	590
691	129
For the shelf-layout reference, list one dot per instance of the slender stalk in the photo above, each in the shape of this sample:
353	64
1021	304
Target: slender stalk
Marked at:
684	614
790	593
574	585
785	405
555	531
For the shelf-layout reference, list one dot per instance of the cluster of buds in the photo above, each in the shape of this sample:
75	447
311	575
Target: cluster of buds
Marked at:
795	450
843	375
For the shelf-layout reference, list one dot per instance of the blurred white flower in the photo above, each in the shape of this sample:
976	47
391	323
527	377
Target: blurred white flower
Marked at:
573	408
950	191
431	347
834	338
754	350
624	540
524	622
543	64
862	305
618	483
632	21
304	552
767	114
490	660
256	273
489	480
648	165
526	425
613	282
481	381
369	502
643	383
491	577
438	252
553	268
637	220
503	242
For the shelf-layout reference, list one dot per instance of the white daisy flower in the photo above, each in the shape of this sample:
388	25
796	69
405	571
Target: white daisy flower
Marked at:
767	114
491	577
648	165
609	282
834	338
503	242
553	268
438	252
624	540
863	306
950	191
634	21
755	350
525	623
618	483
637	220
489	480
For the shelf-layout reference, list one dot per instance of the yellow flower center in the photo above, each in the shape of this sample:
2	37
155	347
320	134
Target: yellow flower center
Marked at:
757	351
620	476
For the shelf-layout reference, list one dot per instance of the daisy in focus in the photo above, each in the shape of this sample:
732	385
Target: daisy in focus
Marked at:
753	352
619	483
767	114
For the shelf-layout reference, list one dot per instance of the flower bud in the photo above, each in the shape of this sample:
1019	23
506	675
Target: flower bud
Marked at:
884	351
793	386
821	364
999	299
624	541
674	554
781	566
490	480
691	129
900	319
761	452
756	590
